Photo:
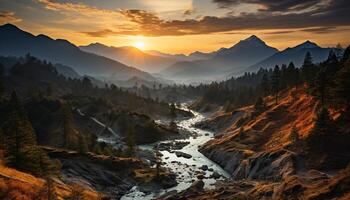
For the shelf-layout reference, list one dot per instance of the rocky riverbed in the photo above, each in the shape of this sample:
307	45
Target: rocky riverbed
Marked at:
184	159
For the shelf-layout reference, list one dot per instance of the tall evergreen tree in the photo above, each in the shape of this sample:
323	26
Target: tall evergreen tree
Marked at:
341	90
307	69
275	82
265	85
68	126
322	131
321	86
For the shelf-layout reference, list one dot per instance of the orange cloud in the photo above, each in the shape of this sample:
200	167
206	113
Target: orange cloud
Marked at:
8	17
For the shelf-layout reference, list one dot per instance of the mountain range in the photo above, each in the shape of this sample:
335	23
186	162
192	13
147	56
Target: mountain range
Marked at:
131	56
149	60
16	42
245	53
295	54
114	63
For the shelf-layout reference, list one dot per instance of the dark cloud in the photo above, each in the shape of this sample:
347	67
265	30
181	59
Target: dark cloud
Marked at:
320	30
279	32
271	5
101	33
336	13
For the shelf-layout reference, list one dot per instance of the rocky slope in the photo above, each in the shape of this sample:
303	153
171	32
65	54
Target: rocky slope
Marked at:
313	185
258	150
264	162
18	185
109	175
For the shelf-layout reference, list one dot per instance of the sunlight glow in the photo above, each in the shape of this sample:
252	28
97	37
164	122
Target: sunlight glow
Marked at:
140	45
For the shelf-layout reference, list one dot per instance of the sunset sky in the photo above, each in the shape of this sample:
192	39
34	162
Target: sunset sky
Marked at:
183	26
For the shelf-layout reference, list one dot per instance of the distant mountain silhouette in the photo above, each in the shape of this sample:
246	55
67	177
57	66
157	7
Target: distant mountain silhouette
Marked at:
243	54
197	55
295	54
131	56
15	42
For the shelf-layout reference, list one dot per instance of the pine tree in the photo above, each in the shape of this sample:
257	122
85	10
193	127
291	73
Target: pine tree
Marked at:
265	85
130	140
320	86
259	105
307	69
341	90
68	126
322	131
19	134
293	76
275	82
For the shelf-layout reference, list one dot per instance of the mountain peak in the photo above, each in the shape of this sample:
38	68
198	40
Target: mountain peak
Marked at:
9	26
253	38
306	45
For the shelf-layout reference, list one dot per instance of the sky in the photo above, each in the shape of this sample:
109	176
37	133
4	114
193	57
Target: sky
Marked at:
183	26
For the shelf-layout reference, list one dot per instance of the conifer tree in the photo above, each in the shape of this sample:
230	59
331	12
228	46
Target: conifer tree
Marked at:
68	127
341	90
265	85
275	82
307	69
130	140
19	134
322	131
320	87
259	104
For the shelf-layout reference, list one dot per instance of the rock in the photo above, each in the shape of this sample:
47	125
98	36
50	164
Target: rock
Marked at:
204	167
197	185
200	176
168	194
182	154
215	175
210	169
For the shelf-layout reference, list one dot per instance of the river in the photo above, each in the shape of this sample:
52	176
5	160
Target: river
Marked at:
185	169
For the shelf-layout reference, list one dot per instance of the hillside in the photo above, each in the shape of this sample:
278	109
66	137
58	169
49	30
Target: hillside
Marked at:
248	139
16	42
18	185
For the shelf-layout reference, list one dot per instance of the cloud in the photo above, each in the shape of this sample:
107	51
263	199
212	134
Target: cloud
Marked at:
8	17
102	33
74	7
311	15
320	30
271	5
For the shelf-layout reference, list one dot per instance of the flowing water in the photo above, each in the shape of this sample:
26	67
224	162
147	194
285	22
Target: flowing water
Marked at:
186	169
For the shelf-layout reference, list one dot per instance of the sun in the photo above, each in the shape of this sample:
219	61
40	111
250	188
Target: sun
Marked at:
139	45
